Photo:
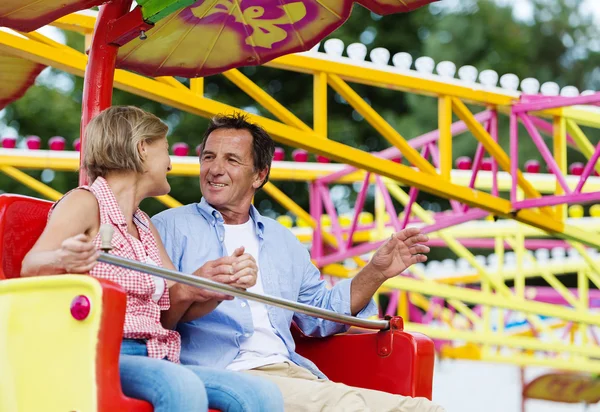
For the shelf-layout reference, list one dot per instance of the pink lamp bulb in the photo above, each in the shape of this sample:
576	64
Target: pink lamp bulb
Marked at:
33	142
486	164
532	166
57	143
576	168
181	149
279	154
300	155
9	142
464	163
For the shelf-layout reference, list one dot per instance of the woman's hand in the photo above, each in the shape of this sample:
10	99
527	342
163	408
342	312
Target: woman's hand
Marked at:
194	294
77	254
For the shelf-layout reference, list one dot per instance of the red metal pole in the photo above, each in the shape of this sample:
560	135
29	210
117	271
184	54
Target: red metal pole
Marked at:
100	70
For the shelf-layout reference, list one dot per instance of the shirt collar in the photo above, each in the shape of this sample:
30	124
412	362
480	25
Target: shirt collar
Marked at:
118	218
215	217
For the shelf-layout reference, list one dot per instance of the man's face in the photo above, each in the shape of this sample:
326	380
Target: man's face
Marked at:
227	176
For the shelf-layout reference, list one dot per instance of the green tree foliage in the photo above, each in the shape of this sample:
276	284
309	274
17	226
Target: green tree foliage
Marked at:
559	42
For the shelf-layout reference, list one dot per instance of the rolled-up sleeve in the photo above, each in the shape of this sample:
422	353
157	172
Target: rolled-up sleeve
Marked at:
314	291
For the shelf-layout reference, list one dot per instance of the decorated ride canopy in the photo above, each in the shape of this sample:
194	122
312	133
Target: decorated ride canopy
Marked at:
198	38
17	76
564	387
29	15
209	37
206	37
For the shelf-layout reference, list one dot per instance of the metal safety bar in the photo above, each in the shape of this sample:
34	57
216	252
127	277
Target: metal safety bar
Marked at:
240	293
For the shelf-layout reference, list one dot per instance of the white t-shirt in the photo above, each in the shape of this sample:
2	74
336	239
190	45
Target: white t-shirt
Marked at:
264	347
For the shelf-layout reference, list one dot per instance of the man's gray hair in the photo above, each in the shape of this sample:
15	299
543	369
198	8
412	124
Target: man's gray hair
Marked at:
263	147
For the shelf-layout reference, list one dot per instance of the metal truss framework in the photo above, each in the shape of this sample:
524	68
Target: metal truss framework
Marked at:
474	195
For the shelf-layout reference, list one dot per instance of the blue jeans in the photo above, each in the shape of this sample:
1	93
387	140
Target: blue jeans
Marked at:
171	387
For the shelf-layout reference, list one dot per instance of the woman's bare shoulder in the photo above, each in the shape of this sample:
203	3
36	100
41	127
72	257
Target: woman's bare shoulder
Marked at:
78	199
78	206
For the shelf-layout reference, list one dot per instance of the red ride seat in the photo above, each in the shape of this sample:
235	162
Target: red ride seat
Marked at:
393	361
22	221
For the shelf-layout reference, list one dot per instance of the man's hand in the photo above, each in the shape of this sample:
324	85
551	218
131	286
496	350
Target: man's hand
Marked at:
238	270
245	270
402	250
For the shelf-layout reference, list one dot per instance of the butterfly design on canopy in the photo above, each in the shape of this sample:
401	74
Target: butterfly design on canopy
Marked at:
265	31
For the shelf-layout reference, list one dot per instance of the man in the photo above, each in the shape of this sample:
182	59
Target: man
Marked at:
247	336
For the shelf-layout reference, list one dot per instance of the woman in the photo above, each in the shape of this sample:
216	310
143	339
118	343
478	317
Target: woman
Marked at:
126	156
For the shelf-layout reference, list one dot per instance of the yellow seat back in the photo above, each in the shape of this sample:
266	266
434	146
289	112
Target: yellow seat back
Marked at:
47	357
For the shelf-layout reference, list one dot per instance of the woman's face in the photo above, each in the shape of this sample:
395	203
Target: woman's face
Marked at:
157	163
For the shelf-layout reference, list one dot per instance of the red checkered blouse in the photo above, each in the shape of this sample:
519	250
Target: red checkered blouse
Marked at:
142	316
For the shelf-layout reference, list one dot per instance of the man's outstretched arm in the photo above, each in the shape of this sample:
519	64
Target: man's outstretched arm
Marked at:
402	250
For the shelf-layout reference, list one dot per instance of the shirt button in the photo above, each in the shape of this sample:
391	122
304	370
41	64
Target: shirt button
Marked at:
247	335
243	304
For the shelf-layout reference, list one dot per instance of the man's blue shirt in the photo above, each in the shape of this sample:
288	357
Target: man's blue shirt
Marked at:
194	234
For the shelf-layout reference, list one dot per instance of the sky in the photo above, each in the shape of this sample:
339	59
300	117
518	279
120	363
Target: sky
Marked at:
523	10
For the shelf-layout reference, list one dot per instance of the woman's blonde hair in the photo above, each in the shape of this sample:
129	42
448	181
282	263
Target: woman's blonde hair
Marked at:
112	138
